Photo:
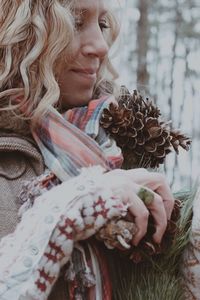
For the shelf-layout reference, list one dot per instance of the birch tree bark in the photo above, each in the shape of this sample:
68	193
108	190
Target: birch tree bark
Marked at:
142	43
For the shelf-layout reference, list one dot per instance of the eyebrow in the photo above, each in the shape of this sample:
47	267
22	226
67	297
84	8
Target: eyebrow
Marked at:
83	10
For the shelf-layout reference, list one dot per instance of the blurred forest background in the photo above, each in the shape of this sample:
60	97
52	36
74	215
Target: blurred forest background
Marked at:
159	54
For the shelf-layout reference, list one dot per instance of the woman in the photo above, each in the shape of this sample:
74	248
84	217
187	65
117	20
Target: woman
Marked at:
54	61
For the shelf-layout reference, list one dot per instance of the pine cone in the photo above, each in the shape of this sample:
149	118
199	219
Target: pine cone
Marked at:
118	234
136	126
178	139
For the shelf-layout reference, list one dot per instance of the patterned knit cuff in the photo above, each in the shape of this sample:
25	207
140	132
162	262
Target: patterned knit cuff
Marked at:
44	239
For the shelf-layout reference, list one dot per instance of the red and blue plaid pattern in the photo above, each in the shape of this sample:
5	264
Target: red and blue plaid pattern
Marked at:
75	140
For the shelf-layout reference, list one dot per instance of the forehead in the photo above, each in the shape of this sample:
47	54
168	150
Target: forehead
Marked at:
91	5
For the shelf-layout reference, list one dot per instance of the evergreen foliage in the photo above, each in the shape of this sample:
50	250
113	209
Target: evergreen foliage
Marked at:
156	278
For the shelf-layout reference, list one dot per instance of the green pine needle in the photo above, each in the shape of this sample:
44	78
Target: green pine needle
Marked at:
157	278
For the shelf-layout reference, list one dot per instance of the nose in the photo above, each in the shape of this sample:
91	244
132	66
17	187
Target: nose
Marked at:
95	44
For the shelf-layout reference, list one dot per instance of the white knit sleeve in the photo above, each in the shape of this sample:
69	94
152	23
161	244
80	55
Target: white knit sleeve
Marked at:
31	257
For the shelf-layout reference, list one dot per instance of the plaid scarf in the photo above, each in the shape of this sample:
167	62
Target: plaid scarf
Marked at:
69	142
74	140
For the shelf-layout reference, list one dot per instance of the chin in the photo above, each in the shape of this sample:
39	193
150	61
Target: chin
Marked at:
82	99
82	102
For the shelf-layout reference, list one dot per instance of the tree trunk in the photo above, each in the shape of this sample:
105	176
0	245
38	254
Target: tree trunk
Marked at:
142	43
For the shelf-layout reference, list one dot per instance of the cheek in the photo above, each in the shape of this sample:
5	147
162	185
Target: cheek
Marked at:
73	53
68	58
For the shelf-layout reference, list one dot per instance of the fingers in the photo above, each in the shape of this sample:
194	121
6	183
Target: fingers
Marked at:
141	213
161	187
158	212
164	191
156	182
127	184
125	189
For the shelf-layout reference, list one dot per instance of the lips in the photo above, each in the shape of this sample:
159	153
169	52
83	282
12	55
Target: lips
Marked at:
90	71
86	73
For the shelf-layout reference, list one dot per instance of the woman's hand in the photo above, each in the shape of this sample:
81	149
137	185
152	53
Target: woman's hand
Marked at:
126	185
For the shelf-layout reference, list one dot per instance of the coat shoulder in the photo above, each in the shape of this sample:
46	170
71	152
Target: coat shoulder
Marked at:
20	160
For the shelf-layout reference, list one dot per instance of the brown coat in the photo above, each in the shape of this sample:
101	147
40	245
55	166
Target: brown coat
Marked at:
19	160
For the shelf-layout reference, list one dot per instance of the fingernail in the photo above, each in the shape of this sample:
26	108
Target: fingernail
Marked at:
156	239
135	242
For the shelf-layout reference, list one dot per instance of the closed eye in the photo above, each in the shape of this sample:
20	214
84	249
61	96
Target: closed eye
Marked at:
79	22
103	24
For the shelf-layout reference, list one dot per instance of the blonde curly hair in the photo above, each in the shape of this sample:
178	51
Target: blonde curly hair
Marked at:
34	36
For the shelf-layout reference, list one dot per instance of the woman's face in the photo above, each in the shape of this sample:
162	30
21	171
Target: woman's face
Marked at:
89	47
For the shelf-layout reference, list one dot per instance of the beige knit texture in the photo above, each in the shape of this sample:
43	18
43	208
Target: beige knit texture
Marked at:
19	160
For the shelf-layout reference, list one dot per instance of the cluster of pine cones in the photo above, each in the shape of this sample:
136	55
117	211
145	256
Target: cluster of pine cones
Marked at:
145	140
136	126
